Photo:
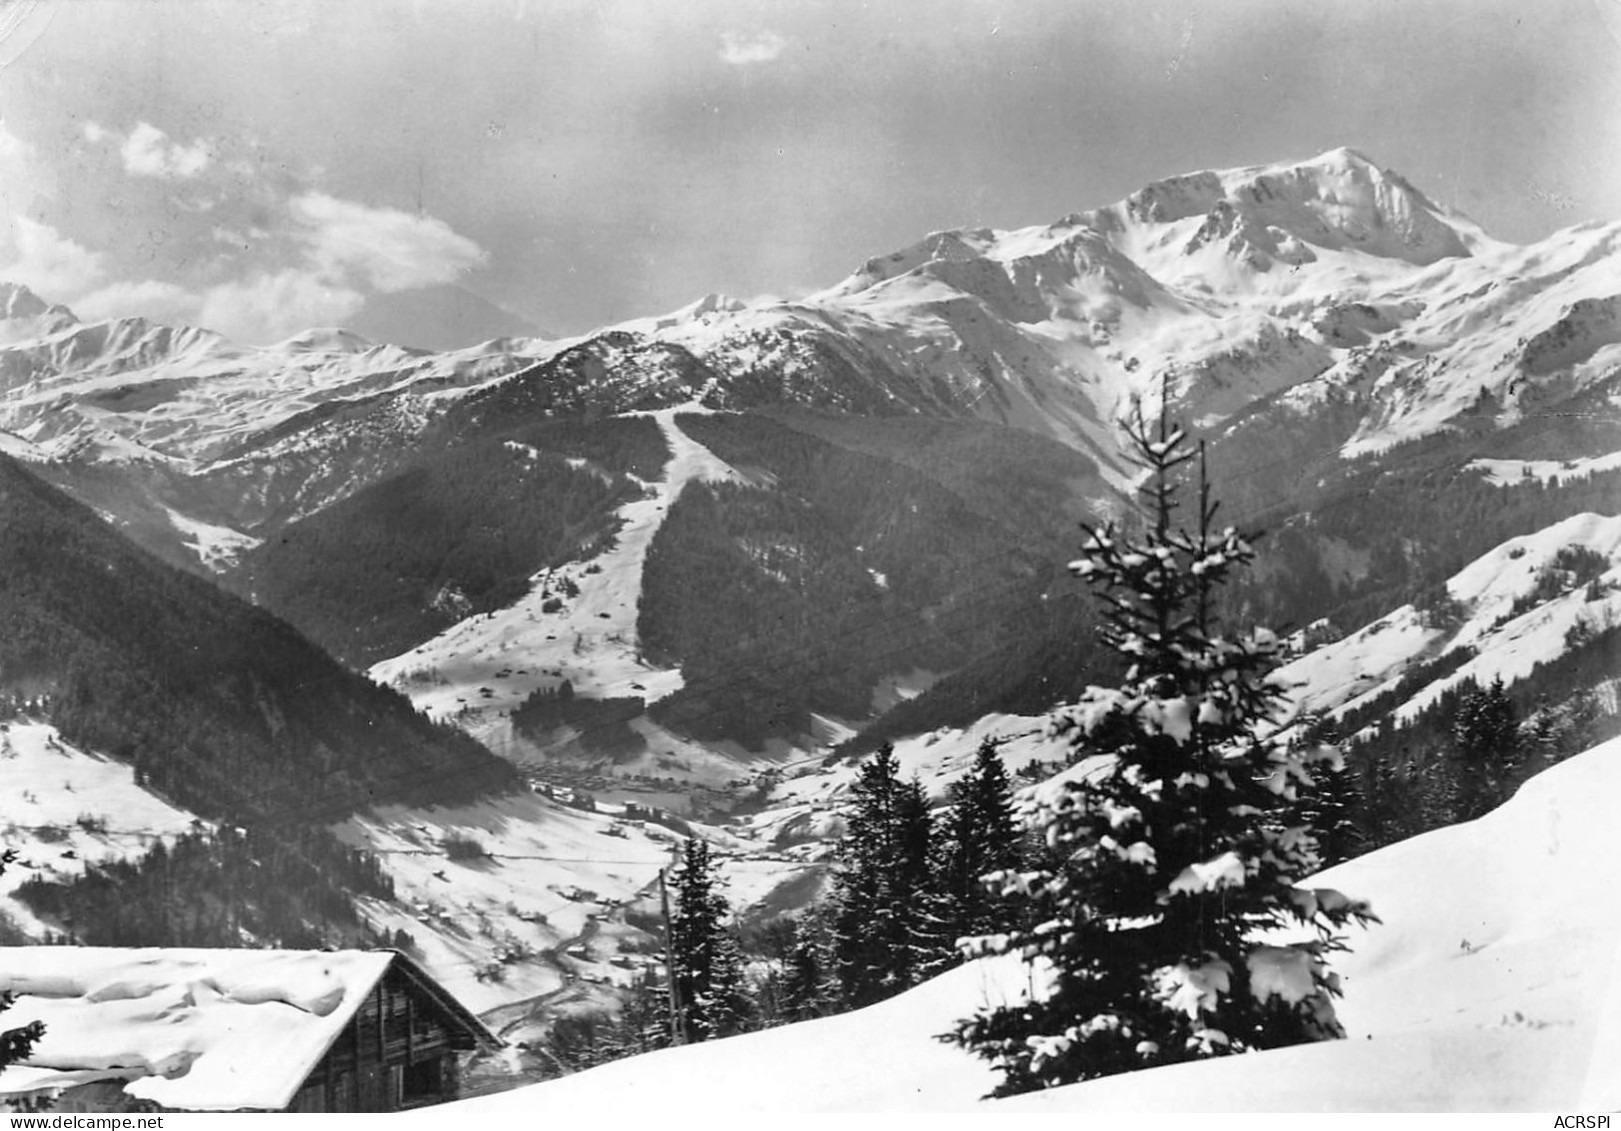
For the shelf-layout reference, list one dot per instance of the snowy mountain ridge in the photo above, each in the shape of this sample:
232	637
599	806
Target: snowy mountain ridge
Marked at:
188	395
1291	286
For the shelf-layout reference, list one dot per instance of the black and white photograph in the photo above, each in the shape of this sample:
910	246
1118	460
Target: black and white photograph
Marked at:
635	559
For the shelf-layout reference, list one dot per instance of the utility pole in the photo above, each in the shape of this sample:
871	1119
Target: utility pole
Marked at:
678	1019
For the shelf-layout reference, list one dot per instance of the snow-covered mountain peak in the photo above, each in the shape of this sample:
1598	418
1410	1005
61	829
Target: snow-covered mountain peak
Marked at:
953	246
714	303
17	301
23	314
1174	198
1337	201
1221	287
1228	225
325	339
711	308
1342	201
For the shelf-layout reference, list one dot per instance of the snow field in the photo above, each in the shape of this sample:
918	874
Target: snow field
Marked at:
63	808
1508	472
15	446
217	547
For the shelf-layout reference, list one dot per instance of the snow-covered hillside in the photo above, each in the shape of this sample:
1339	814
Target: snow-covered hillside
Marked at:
532	915
526	911
479	669
1488	987
1515	608
64	808
802	811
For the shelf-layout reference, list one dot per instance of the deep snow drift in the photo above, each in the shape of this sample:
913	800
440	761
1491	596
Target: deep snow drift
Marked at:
1490	986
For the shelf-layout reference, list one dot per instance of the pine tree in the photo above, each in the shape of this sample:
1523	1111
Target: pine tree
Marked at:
1486	741
924	944
1181	846
643	1022
807	984
887	932
981	836
1332	803
707	968
1486	729
1329	806
15	1044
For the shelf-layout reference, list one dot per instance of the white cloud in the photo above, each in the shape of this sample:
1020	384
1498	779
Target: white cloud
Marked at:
24	178
158	301
147	152
47	262
390	249
16	161
263	307
314	268
267	307
740	49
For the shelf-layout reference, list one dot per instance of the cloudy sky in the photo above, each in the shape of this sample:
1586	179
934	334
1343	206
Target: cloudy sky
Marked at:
439	172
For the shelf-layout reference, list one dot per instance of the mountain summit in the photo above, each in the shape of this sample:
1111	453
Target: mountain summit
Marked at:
1338	201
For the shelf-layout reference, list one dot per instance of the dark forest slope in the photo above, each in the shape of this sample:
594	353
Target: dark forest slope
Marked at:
457	532
842	565
220	705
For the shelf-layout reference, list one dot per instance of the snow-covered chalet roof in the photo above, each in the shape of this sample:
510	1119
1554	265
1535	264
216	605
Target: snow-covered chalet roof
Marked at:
191	1029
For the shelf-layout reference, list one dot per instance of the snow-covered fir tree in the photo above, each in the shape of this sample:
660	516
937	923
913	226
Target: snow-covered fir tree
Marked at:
704	957
643	1021
981	834
1485	728
1155	933
1329	805
887	931
1486	743
1333	802
808	989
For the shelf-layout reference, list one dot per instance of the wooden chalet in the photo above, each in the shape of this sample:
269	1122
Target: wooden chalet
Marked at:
234	1030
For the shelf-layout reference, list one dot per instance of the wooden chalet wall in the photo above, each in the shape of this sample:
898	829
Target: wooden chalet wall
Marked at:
397	1052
